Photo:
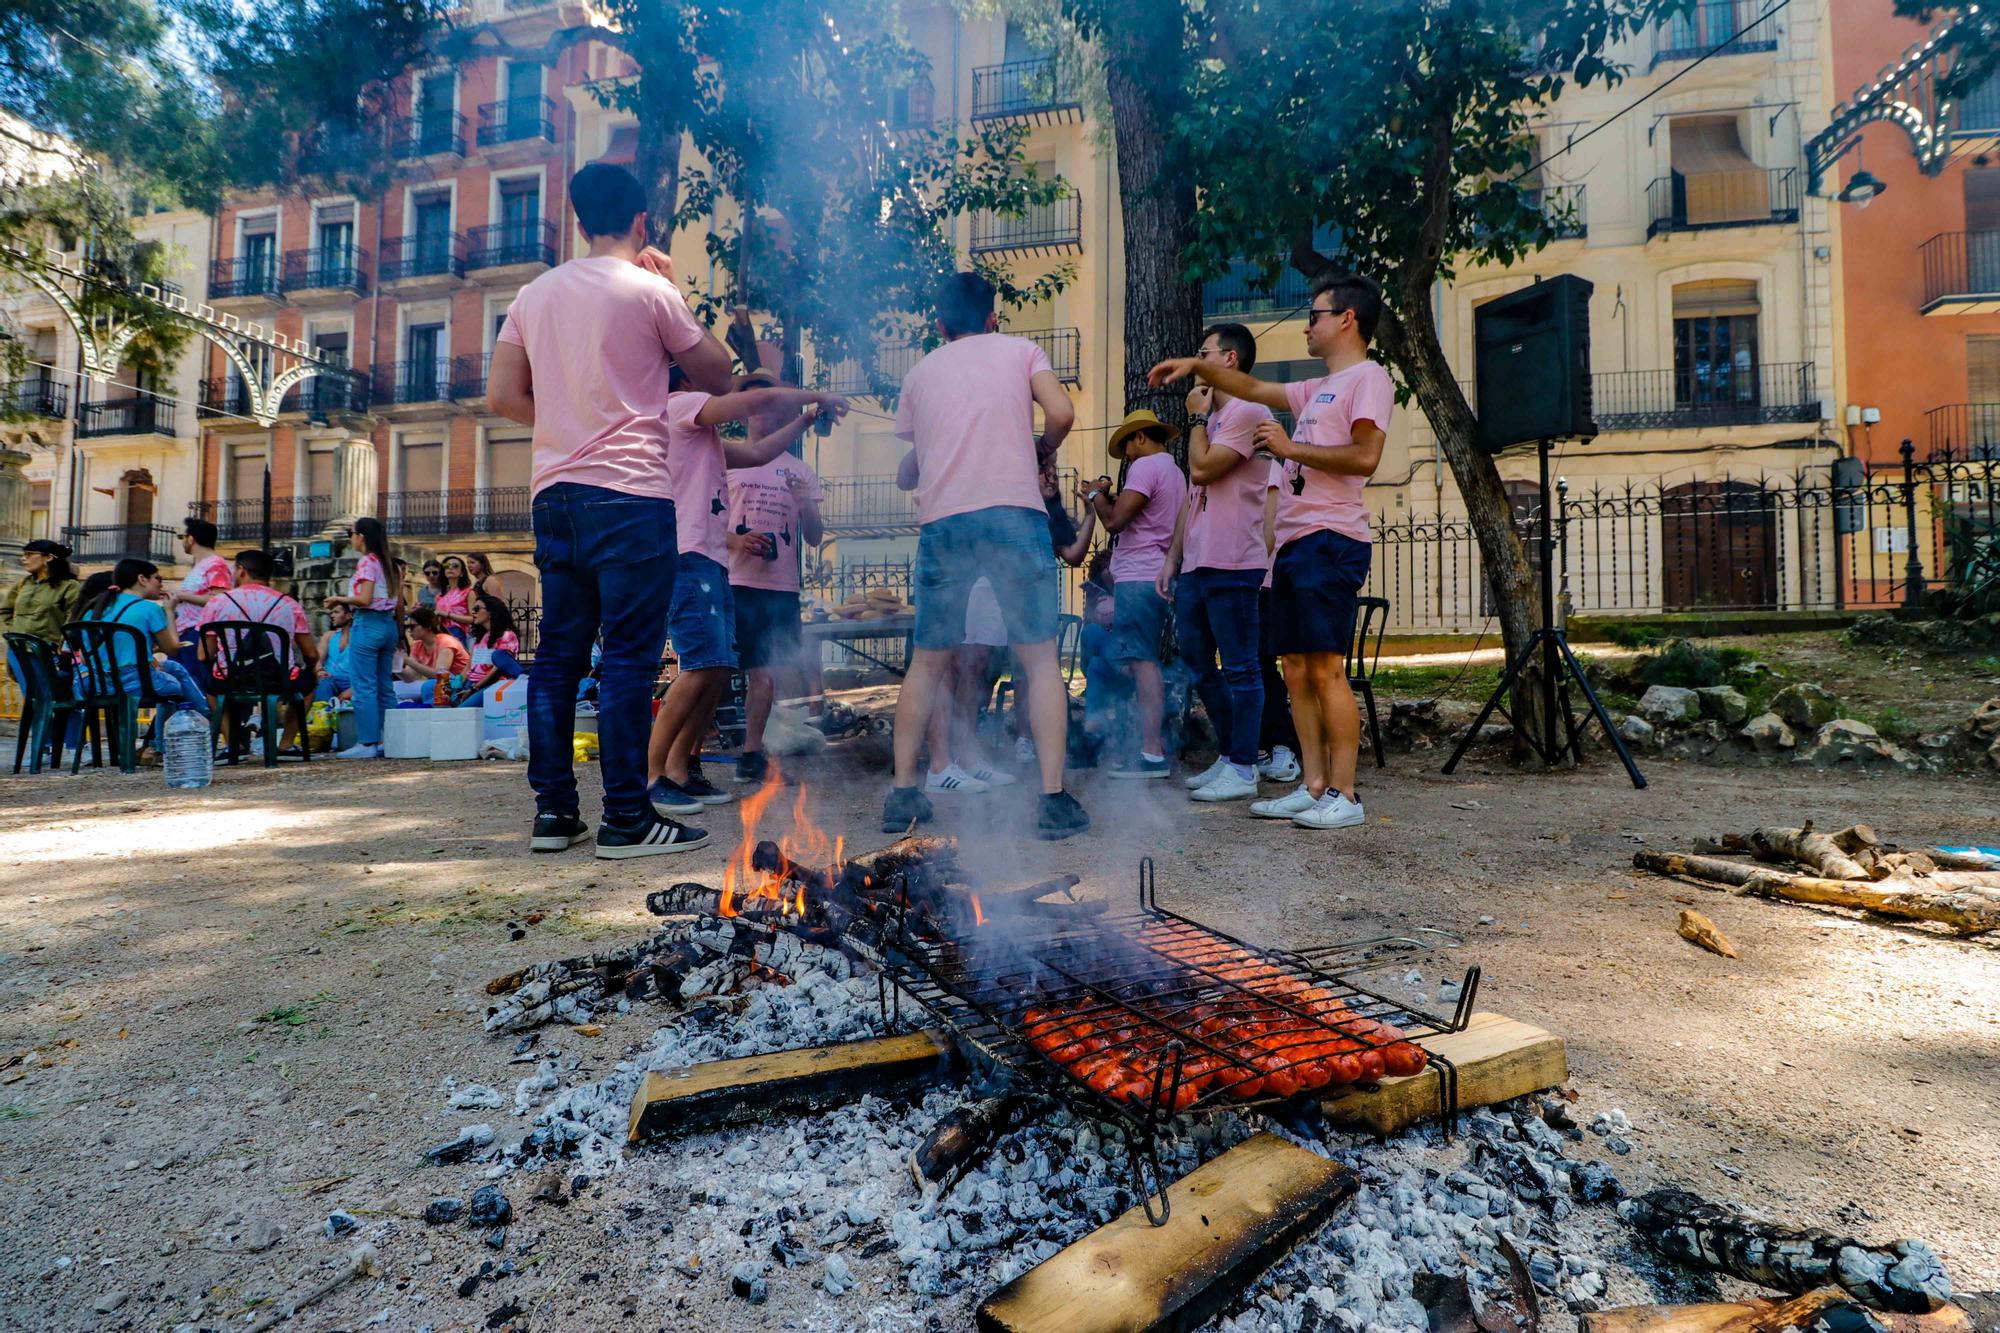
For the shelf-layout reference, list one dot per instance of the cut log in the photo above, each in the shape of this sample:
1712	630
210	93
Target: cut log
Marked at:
1967	912
730	1092
1711	1318
1497	1059
1698	928
1229	1220
1796	1312
1903	1275
1804	847
965	1137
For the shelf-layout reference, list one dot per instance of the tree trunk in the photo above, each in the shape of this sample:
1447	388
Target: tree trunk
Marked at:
657	160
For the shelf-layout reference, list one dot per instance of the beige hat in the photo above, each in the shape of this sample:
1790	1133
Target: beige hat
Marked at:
1135	422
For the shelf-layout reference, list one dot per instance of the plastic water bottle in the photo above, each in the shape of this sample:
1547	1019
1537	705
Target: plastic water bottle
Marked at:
189	755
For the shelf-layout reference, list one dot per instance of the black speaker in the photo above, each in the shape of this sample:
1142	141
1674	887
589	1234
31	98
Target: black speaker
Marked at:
1531	362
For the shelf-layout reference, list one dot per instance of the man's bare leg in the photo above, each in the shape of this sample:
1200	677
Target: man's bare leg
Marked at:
682	697
1340	720
1150	698
938	731
915	703
757	697
1048	710
687	741
1307	721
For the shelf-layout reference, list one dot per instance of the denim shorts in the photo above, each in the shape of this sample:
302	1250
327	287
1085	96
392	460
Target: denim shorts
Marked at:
767	627
1314	584
1138	619
1007	546
702	620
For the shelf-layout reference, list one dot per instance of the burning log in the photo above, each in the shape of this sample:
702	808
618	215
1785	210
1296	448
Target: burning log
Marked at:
685	900
966	1137
1724	1316
1903	1276
1968	912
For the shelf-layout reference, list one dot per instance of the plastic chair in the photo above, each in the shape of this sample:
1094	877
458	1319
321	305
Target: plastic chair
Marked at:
1371	618
253	664
1069	657
46	699
106	704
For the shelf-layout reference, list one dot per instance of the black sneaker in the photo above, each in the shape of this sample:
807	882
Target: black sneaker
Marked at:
752	765
705	791
670	798
905	807
1060	817
649	837
557	833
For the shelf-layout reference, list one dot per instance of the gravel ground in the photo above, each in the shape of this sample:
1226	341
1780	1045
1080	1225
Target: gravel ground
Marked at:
236	1010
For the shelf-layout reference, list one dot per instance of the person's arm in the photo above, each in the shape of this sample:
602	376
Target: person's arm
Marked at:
1226	378
1119	514
906	472
1270	520
166	640
13	597
812	529
1208	462
1359	459
308	648
1075	553
704	361
510	384
1163	582
1058	412
741	405
413	663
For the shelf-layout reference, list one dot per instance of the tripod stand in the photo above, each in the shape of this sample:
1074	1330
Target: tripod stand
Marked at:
1559	668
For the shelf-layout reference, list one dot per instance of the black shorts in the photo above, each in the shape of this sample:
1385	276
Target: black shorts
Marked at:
767	628
1314	584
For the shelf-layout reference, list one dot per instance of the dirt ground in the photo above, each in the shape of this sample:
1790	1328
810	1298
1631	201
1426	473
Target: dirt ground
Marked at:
235	1008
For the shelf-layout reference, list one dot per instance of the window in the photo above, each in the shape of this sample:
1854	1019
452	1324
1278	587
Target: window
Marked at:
1982	368
335	238
246	473
509	463
260	247
1714	180
520	209
423	466
437	98
319	472
1982	198
1715	343
421	344
524	90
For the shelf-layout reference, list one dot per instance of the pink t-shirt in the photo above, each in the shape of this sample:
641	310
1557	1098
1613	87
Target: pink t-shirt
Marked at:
1140	550
369	570
210	574
454	602
258	602
969	412
599	334
1225	529
701	494
1326	409
482	655
761	501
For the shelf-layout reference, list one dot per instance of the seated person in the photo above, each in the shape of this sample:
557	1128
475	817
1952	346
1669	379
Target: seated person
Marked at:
132	599
252	598
495	648
434	662
335	682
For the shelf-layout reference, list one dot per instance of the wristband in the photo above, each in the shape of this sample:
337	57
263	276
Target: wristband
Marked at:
1198	419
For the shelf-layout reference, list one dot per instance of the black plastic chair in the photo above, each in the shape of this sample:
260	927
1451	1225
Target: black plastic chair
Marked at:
46	700
1069	658
108	707
255	665
1371	619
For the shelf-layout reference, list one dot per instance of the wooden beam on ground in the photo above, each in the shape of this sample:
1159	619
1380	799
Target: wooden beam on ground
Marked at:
757	1087
1714	1318
1497	1058
1230	1219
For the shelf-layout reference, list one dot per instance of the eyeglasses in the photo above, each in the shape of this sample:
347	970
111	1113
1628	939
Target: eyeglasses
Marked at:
1312	316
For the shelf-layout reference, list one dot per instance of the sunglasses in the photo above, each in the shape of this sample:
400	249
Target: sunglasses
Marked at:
1312	316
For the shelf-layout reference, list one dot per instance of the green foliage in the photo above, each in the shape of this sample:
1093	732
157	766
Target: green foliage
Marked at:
1690	665
1971	42
1630	634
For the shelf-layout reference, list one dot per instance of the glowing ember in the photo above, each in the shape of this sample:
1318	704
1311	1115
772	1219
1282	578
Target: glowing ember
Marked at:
978	915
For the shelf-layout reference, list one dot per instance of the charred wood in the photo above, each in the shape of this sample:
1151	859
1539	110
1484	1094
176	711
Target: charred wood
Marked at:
965	1137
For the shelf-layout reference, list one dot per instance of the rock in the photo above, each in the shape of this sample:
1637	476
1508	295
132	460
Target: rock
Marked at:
441	1211
1618	1145
1768	733
490	1207
1846	740
1594	1183
1723	703
1984	724
110	1301
476	1097
1670	705
339	1222
1805	705
469	1141
260	1235
1636	729
838	1278
747	1281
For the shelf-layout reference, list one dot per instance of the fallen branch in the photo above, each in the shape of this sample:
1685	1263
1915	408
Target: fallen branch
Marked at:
361	1262
1968	913
1816	851
1714	1317
1700	930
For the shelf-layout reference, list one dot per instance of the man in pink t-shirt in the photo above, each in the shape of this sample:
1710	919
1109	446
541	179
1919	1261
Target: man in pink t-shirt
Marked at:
1221	562
585	358
967	410
1322	531
1141	522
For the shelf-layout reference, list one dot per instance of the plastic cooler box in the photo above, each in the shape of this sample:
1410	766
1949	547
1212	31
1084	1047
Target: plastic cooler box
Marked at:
455	733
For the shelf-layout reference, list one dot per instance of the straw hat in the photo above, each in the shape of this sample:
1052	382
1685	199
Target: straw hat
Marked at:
1135	422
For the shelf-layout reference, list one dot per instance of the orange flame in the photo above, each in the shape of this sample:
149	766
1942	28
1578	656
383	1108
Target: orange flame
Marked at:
804	845
978	915
738	874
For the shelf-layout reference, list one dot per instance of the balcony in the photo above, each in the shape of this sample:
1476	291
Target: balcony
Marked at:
1962	273
1965	430
423	264
1042	230
1562	206
326	275
1032	90
434	134
1063	347
225	397
457	513
108	543
141	414
523	123
323	395
868	507
37	398
468	385
324	151
1667	203
1241	293
252	280
292	517
422	384
1627	400
1715	27
1975	121
512	250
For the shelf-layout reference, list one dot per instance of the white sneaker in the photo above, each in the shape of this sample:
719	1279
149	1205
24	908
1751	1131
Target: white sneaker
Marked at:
956	781
1024	750
993	777
360	752
1282	766
1332	811
1283	807
1209	774
1227	787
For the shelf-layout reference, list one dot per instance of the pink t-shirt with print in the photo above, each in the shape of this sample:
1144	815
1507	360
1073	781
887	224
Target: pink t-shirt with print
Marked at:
761	501
455	602
600	334
1225	529
701	492
969	412
1141	549
482	655
210	574
1326	409
369	570
258	602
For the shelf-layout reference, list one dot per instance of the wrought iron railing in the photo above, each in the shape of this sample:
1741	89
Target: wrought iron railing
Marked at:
1704	396
325	394
424	135
108	543
1666	203
39	398
515	119
1063	347
469	376
867	504
253	275
1979	111
1052	226
325	152
1969	430
223	396
429	381
1961	266
1241	291
1020	88
292	517
1563	206
425	255
1716	27
450	513
529	242
337	269
141	414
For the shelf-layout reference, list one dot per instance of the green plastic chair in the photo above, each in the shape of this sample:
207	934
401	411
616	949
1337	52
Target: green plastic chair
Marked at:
46	700
109	709
253	667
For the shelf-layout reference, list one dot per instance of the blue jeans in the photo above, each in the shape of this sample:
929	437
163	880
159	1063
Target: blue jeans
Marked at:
371	652
1010	548
1216	611
330	687
177	689
506	666
607	563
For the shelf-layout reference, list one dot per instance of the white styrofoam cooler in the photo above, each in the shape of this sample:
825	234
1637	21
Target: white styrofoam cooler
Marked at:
406	733
455	732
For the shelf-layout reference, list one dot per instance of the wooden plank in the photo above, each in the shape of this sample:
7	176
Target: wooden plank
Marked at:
756	1087
1711	1318
1496	1057
1231	1218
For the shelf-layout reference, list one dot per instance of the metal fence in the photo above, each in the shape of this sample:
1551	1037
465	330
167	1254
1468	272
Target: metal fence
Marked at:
292	517
453	513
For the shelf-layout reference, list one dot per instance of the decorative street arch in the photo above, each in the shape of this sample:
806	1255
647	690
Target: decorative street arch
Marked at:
1905	94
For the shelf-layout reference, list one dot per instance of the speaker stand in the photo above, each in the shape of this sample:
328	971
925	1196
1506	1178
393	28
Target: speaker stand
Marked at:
1559	669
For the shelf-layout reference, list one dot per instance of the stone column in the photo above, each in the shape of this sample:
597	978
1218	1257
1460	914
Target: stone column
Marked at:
14	492
353	481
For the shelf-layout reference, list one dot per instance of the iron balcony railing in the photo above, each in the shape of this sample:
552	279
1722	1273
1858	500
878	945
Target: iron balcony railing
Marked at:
529	242
1563	206
432	381
451	513
38	398
1961	267
1063	347
337	269
141	414
1051	226
1716	27
254	275
431	133
1666	202
292	517
1964	430
515	119
323	395
224	396
108	543
1706	396
1020	88
324	151
425	255
1241	291
1979	111
868	504
469	376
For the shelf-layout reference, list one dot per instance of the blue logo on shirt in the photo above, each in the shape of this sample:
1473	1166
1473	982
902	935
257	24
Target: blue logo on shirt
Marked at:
1324	398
